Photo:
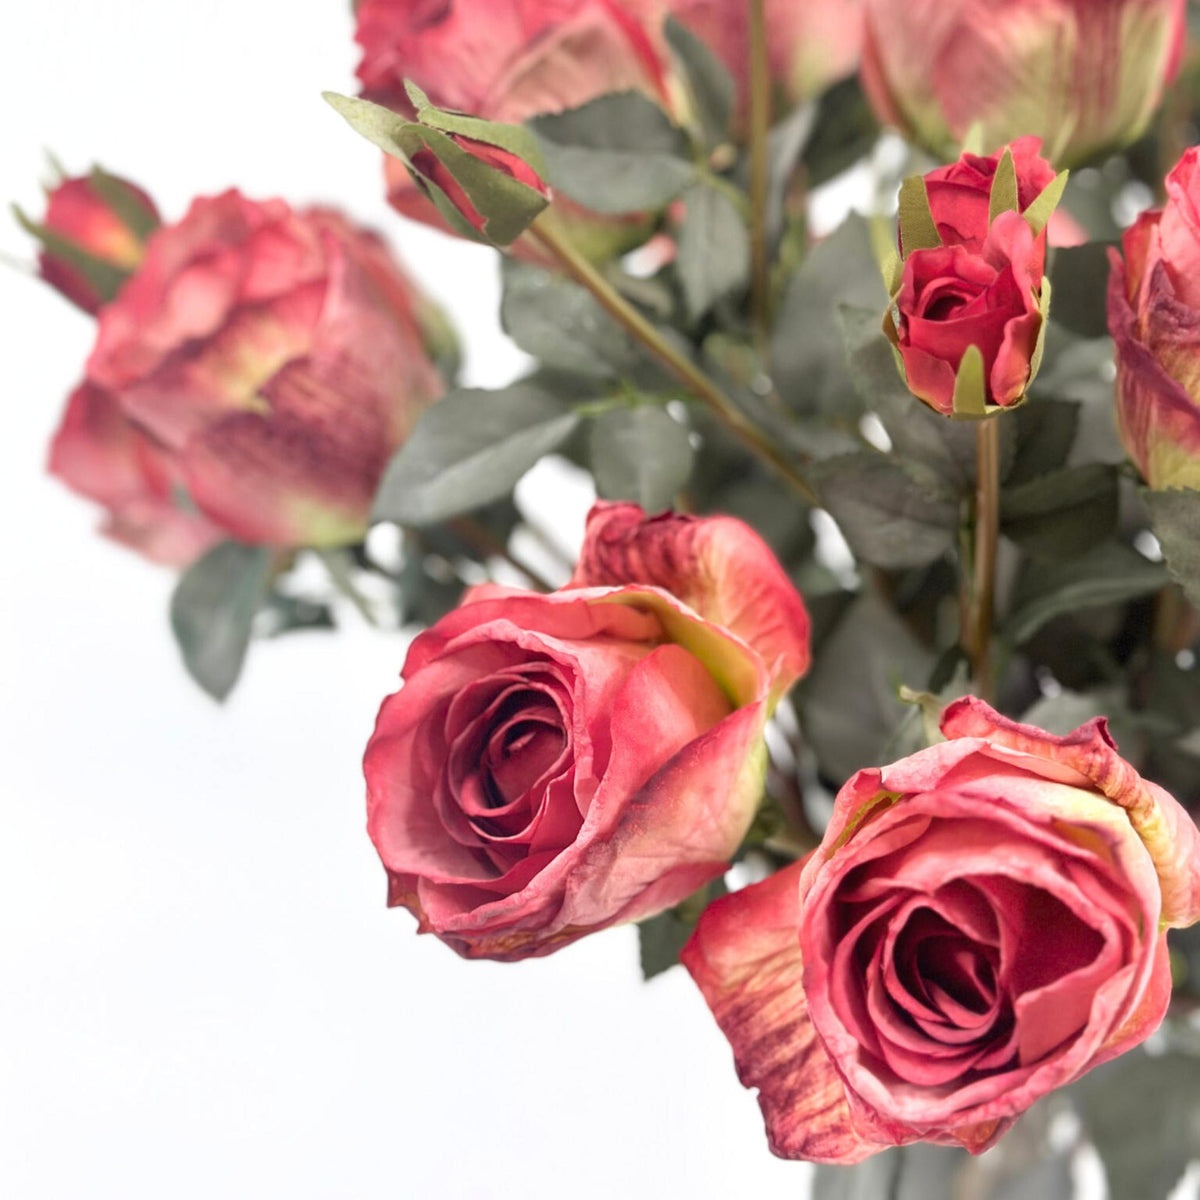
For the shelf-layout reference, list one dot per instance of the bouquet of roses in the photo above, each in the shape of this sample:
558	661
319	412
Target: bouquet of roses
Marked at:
887	612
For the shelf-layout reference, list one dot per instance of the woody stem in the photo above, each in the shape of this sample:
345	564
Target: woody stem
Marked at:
680	365
978	631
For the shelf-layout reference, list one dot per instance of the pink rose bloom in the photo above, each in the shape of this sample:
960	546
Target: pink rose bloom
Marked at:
1154	318
984	921
810	43
556	764
101	454
277	359
1083	75
87	222
506	61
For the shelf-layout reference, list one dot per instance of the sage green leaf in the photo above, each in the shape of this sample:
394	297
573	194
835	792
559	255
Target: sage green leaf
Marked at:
1110	573
641	454
710	86
1045	433
213	609
892	515
661	938
970	386
713	258
1039	212
619	153
468	449
1176	518
1003	196
516	139
1062	514
918	231
1079	275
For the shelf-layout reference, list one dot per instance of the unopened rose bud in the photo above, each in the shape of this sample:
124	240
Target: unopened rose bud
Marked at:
1084	77
93	236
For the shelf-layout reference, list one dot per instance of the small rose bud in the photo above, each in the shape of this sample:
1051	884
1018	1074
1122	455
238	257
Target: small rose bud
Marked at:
969	297
93	235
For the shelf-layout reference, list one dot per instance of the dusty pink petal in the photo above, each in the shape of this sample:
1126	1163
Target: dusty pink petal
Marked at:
718	566
745	958
1169	833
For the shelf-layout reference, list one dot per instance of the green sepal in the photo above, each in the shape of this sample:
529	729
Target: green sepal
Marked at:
970	386
507	205
122	204
1004	196
104	277
973	142
516	139
918	231
1038	214
1039	348
886	255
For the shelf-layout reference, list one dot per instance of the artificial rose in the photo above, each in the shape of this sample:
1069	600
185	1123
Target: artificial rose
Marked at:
1083	75
810	43
505	61
952	298
277	358
983	921
1154	318
99	453
93	235
555	764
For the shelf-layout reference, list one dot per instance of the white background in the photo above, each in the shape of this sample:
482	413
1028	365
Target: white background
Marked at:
203	993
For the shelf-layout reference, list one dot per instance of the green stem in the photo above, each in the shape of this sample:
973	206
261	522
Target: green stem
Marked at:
983	566
760	123
693	378
483	541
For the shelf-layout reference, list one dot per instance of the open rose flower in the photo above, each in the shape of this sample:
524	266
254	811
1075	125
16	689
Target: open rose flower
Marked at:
983	921
555	764
273	360
1154	318
101	454
971	281
506	61
93	235
1083	75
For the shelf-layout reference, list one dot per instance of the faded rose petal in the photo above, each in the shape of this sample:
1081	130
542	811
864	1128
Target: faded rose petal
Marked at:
745	958
716	565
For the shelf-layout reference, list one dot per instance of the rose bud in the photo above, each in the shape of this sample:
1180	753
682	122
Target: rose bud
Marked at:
93	236
556	764
810	43
1154	318
969	297
984	921
278	358
102	455
506	61
1083	77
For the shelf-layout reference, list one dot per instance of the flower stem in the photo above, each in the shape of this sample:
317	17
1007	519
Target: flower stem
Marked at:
978	632
760	122
483	541
680	365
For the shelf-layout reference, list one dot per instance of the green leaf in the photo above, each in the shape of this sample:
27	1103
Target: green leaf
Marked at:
1079	275
468	449
213	609
1063	514
889	514
808	364
714	249
619	153
564	326
849	703
640	454
710	86
844	130
1140	1112
661	938
1111	573
1176	518
1045	433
